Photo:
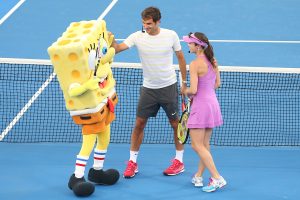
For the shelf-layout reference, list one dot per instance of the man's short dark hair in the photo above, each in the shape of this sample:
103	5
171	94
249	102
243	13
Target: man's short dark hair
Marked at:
151	13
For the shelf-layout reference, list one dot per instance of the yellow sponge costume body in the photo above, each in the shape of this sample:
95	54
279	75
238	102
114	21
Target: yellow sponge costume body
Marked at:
81	58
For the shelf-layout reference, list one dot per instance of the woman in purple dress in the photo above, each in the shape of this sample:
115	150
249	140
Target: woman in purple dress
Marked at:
205	109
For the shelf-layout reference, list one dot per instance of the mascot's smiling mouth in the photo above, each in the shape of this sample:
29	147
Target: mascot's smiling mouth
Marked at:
103	81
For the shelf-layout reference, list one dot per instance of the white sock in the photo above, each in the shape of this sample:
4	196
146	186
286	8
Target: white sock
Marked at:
179	155
99	157
133	155
80	166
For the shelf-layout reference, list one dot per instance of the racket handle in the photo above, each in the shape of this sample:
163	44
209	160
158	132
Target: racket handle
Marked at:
183	106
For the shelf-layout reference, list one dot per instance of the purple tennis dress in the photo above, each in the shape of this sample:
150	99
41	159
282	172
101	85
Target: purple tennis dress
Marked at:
205	109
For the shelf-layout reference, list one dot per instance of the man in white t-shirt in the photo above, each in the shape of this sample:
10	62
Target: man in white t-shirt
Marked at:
155	46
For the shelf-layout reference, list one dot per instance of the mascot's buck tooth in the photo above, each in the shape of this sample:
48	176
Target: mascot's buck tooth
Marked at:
81	58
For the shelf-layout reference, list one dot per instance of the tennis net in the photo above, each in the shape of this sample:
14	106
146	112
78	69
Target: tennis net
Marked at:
260	106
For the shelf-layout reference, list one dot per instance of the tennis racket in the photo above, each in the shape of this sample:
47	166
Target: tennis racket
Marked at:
182	130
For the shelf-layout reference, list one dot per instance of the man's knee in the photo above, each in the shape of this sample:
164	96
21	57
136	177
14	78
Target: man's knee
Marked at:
174	123
140	123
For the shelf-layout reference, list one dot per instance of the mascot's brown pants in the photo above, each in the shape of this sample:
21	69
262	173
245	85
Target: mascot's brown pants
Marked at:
96	126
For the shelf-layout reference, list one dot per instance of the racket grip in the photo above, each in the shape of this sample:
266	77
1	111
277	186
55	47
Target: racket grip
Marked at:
182	107
182	103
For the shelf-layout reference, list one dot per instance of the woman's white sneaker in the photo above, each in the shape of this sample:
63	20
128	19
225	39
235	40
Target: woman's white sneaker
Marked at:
214	184
197	181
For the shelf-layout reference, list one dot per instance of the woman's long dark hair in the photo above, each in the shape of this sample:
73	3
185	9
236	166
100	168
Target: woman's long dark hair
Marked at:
209	51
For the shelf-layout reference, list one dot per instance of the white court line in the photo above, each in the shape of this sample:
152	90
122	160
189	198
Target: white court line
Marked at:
11	12
42	88
247	41
109	7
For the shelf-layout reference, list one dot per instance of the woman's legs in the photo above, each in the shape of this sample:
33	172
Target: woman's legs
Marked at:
206	141
200	138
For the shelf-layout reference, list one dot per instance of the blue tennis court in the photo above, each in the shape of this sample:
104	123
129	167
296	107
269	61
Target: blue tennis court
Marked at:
257	148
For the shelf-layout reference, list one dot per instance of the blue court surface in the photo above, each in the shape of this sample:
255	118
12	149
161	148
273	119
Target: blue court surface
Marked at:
39	152
41	171
32	28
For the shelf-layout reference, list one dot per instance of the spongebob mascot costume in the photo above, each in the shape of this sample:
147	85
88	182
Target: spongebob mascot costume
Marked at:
81	58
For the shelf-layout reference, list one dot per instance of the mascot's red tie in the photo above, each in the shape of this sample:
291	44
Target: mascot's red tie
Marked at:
111	105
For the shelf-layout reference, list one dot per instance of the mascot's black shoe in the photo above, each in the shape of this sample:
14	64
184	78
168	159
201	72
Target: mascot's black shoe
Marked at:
108	177
80	187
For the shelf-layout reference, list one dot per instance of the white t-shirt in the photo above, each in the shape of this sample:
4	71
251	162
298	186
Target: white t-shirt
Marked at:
156	55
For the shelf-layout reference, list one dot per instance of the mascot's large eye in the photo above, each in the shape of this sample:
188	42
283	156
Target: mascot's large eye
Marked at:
103	48
92	59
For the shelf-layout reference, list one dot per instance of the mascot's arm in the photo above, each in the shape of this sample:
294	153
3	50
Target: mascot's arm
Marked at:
77	89
108	56
111	38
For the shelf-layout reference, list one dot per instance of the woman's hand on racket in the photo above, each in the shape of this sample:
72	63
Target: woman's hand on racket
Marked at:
183	88
184	91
